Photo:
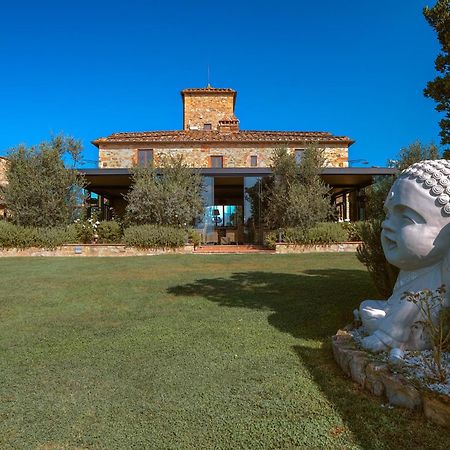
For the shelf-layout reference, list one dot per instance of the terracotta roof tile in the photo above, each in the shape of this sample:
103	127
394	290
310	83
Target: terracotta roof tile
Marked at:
207	89
201	136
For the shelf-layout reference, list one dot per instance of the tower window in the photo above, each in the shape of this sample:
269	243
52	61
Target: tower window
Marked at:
298	155
253	161
207	127
217	162
145	157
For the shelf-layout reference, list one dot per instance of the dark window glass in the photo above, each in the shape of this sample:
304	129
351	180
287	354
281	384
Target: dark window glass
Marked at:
207	127
145	157
298	155
217	161
253	161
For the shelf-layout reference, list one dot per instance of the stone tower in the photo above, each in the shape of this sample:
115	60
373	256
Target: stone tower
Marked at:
209	109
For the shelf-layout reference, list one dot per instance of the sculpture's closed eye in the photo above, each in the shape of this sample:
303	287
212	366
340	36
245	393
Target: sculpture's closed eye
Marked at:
408	219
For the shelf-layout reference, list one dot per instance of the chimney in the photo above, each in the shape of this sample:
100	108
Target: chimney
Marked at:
229	125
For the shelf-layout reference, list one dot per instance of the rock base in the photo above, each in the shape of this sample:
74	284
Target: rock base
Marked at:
377	378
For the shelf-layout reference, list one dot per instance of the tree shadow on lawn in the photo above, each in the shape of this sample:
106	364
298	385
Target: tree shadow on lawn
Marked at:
314	304
309	305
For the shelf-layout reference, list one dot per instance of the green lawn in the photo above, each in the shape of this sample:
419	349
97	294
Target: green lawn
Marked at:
187	351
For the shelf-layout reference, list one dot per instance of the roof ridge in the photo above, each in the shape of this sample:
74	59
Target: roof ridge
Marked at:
215	136
322	133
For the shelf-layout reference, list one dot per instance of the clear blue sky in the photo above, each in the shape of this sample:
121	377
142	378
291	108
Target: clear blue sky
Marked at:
91	68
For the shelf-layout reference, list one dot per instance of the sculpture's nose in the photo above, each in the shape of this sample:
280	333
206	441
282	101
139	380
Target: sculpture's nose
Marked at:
387	225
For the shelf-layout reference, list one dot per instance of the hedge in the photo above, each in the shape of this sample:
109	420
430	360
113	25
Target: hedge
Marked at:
322	233
154	236
15	236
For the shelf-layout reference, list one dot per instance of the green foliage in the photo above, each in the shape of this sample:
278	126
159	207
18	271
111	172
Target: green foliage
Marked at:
439	89
353	230
154	236
17	236
436	324
171	196
321	233
41	191
376	193
86	231
109	232
297	196
271	239
415	152
194	237
371	254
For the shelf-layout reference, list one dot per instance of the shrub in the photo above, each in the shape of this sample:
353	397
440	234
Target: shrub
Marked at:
326	233
353	230
109	232
16	236
195	237
55	237
85	231
154	236
271	239
371	254
321	233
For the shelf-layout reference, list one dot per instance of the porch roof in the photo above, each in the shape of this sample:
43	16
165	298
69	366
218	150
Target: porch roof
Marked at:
115	182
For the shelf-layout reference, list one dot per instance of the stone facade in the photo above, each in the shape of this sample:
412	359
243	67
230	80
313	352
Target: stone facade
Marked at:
214	108
2	171
207	107
234	156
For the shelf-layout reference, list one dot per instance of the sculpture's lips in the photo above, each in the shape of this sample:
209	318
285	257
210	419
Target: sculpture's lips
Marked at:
390	243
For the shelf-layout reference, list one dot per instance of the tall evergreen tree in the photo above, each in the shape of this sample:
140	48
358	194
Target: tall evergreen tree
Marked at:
439	89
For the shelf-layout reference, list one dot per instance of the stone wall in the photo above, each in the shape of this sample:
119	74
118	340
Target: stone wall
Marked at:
234	156
93	250
338	247
203	108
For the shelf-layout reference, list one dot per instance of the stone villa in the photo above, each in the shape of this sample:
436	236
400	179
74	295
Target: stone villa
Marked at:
232	160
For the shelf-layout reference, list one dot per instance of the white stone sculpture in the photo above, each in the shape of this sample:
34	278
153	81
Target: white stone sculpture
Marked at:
415	238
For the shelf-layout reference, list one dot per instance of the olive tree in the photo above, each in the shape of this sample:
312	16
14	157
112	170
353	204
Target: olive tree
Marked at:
297	196
171	195
41	190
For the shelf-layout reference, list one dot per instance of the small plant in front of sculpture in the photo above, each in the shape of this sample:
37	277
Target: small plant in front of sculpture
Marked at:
436	324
